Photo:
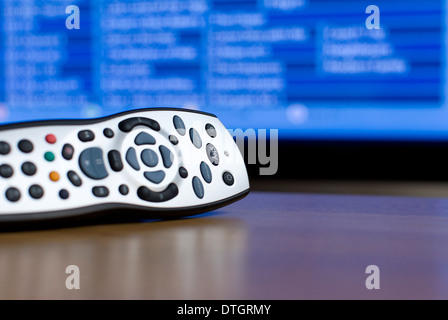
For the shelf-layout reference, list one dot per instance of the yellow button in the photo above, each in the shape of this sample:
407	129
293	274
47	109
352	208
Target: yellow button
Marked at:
54	176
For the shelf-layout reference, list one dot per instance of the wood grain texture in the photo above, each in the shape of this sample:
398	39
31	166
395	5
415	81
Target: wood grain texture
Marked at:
267	246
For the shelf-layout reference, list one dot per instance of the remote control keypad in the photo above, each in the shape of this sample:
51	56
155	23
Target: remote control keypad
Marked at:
149	151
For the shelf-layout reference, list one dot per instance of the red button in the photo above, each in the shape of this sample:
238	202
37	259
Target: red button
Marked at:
50	138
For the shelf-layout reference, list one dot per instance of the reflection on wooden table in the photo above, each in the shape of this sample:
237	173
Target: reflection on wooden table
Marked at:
267	246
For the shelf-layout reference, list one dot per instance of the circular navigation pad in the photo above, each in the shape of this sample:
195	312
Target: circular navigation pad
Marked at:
151	158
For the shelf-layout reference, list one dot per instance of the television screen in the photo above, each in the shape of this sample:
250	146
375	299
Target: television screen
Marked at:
312	69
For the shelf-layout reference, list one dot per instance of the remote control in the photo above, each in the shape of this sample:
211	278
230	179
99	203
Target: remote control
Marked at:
159	163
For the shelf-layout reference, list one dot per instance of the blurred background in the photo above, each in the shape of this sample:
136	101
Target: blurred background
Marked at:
349	103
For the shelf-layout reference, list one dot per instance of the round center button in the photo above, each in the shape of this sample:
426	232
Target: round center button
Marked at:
149	158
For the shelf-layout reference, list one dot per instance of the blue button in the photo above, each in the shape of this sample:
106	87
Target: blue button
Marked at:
155	177
167	156
198	188
144	138
92	164
131	158
206	172
150	158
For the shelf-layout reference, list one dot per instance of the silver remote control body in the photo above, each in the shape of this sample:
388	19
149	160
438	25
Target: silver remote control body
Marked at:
159	163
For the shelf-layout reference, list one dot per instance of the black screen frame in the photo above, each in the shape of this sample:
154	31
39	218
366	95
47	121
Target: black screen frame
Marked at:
359	160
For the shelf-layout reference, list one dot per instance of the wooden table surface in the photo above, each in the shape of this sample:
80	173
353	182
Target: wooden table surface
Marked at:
267	246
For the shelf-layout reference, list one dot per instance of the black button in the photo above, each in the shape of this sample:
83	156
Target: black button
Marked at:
129	124
86	135
144	138
100	192
13	194
212	154
206	172
68	151
115	162
198	188
155	177
167	156
5	148
29	169
152	196
195	138
183	172
228	178
6	171
179	125
150	158
108	133
131	158
25	146
92	163
74	178
124	190
36	191
211	131
63	194
173	140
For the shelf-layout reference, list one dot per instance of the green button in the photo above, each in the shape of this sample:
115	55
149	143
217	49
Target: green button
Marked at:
49	156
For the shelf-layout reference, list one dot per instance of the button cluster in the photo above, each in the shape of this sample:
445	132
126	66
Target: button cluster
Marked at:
29	168
211	151
92	164
150	158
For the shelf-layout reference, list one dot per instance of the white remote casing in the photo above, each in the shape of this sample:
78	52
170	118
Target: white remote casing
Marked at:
81	200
